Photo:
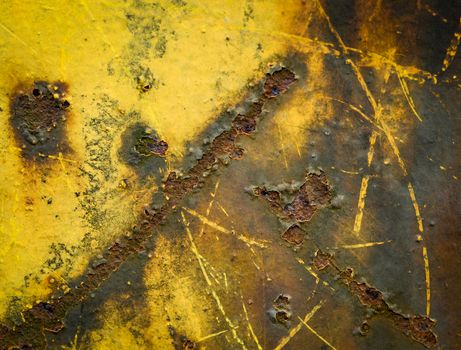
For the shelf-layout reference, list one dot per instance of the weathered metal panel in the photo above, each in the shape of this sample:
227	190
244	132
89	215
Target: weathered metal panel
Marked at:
234	174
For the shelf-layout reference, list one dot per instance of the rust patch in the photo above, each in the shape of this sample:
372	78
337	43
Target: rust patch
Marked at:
313	194
38	118
294	235
416	327
175	189
281	310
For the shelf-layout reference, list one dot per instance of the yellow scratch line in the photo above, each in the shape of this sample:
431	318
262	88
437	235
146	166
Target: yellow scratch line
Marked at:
419	219
63	167
358	111
368	58
297	149
406	92
6	29
362	245
316	334
243	238
225	281
250	328
222	209
285	340
452	49
194	249
228	321
427	274
211	336
207	279
349	172
376	10
361	204
283	146
314	274
210	205
364	86
395	149
330	25
61	158
371	150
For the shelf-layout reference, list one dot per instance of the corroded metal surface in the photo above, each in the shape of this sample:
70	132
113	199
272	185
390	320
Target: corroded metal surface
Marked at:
245	174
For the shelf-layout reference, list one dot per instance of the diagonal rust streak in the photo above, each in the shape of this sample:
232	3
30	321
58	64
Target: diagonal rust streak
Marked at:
49	315
416	327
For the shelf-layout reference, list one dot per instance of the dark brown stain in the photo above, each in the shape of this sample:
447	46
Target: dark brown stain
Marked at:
313	194
176	189
38	119
417	327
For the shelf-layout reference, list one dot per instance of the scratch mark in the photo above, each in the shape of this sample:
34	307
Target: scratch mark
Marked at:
15	36
431	11
283	146
452	49
376	107
249	241
376	10
213	292
427	274
225	281
364	186
316	333
406	92
371	150
314	274
250	328
361	204
349	172
285	340
85	6
222	209
367	57
210	205
194	250
358	111
211	336
362	245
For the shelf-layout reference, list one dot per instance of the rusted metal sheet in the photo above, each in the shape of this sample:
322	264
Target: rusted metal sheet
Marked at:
224	175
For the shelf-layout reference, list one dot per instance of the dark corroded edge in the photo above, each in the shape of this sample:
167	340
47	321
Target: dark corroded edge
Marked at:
48	316
418	328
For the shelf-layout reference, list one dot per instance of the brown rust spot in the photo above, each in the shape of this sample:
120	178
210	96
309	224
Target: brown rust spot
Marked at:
38	118
176	189
294	235
313	194
321	260
417	327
